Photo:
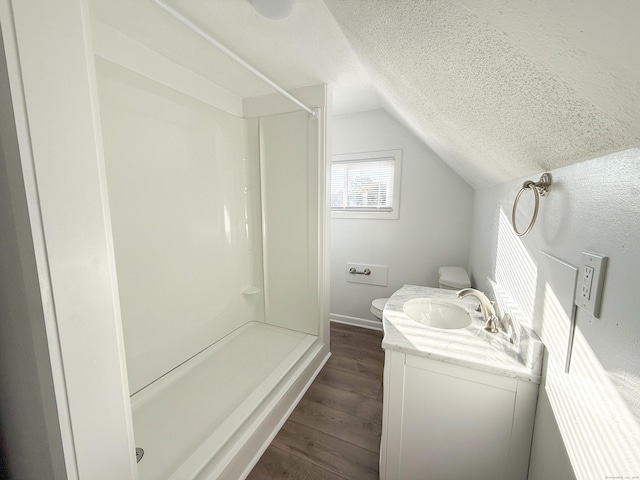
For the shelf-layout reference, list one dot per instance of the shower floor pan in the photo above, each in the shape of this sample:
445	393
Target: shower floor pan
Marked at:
193	421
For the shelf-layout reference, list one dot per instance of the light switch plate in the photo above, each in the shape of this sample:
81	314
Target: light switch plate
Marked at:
590	282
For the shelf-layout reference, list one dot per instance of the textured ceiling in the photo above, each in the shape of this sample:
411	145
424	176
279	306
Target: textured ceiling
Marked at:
498	88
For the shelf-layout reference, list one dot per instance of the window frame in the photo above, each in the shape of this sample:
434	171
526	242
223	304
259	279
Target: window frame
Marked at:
363	157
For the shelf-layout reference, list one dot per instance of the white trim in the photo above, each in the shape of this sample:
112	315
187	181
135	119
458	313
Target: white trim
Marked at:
61	144
356	322
49	357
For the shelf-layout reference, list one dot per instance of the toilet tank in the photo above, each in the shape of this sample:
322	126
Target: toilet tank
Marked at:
453	278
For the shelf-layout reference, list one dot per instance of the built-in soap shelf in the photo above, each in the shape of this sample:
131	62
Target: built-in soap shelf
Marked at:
367	274
251	290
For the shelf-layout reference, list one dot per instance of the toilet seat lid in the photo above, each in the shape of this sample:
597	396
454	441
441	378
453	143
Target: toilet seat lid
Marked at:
379	303
455	277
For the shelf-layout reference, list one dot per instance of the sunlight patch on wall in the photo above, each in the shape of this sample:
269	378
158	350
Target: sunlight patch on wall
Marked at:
515	272
628	384
601	435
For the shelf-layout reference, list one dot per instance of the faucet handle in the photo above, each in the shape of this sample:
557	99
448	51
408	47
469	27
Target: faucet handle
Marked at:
491	324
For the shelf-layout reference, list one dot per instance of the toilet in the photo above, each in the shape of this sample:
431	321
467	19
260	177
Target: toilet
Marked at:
450	278
453	278
377	306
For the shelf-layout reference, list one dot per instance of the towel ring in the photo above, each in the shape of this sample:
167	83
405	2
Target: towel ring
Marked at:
539	188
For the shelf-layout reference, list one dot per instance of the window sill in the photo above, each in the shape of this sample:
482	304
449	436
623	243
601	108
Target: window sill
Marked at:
390	215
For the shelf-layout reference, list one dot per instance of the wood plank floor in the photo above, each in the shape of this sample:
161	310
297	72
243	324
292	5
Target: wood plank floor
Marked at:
334	432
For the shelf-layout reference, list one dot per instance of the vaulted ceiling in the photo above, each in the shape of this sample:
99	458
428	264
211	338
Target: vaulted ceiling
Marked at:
498	88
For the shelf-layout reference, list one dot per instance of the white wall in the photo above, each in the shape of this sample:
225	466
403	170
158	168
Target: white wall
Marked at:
434	224
594	409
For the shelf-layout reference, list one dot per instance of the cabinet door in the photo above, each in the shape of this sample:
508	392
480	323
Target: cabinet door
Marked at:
453	428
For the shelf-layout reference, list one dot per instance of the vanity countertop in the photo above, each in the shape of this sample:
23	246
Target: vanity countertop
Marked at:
470	347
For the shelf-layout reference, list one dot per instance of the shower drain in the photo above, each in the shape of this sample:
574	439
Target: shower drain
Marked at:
139	454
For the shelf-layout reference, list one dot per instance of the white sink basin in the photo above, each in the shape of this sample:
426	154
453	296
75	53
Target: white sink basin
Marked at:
437	313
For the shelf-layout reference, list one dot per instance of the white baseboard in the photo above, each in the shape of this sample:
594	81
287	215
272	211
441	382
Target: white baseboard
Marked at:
355	321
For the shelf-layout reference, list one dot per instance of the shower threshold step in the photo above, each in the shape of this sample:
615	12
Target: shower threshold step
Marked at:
184	419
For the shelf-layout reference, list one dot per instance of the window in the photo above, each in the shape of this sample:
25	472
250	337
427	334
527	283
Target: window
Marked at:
366	185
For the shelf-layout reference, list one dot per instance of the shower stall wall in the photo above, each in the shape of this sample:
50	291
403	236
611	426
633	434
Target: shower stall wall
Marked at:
185	209
218	226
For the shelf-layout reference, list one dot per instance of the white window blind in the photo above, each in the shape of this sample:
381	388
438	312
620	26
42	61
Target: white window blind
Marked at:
362	185
366	185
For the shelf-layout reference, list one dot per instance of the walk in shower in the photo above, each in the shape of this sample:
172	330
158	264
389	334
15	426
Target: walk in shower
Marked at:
218	225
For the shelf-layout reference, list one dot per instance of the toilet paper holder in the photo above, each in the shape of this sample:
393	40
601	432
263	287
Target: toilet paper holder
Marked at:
353	271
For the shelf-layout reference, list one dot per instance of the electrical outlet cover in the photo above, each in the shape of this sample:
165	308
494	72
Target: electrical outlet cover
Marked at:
590	282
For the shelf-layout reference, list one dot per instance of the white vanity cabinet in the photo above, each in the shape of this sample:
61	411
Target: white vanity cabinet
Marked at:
446	421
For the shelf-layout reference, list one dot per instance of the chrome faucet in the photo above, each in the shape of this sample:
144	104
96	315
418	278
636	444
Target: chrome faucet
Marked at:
491	320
